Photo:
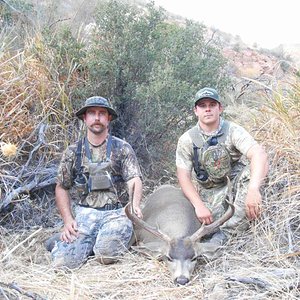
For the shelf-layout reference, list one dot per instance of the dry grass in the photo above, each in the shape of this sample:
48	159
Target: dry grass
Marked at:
263	263
24	84
259	257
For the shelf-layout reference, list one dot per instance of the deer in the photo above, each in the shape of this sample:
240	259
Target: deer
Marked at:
171	231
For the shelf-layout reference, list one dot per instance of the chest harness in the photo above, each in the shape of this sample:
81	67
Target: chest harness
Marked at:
97	176
211	159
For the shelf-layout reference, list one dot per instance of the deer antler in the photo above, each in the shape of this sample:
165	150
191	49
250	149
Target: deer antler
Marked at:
139	222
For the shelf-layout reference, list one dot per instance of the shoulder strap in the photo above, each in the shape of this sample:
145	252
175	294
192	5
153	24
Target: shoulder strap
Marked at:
224	130
196	136
78	157
196	163
108	147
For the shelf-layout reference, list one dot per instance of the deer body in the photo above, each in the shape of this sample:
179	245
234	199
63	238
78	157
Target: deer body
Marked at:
171	230
169	211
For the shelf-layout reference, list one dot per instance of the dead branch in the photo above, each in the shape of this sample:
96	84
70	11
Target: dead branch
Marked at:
40	142
32	180
250	280
31	186
14	286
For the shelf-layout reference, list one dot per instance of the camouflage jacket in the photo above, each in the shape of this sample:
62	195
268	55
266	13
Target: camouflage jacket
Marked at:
236	141
124	165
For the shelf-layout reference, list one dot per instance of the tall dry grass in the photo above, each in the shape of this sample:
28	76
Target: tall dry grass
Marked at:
263	263
29	94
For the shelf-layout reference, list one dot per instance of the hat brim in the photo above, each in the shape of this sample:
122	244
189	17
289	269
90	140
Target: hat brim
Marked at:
207	97
80	113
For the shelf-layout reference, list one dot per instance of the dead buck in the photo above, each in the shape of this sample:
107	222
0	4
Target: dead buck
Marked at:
170	230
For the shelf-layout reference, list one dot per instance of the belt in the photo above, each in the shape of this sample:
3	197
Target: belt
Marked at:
108	206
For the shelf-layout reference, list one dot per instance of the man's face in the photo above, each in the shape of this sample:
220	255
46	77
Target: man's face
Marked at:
208	111
97	119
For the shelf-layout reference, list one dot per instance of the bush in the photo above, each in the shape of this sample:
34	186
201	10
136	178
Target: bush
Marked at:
150	68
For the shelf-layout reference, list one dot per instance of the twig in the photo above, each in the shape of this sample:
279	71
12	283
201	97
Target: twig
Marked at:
288	255
289	234
11	7
250	280
57	21
17	246
3	293
15	287
41	141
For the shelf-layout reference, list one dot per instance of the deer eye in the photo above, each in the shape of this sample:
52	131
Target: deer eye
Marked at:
169	258
194	258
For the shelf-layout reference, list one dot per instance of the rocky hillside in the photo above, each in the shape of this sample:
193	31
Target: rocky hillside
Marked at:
244	60
249	60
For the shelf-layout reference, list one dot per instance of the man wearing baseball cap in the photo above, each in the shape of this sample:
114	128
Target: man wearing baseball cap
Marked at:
211	156
99	167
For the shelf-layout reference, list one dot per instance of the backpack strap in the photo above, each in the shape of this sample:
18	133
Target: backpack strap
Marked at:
198	143
195	159
78	154
196	137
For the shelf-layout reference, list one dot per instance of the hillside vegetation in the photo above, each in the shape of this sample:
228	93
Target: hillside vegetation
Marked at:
149	65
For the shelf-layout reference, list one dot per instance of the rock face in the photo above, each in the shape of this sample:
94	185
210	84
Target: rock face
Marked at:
249	62
253	62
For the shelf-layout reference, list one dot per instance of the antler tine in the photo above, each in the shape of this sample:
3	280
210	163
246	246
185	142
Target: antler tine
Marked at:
207	229
139	222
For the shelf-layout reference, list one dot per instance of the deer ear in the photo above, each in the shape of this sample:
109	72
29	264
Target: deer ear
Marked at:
208	250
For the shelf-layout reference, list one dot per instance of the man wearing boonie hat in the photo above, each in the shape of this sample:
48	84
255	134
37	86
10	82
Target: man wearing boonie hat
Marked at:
209	153
99	167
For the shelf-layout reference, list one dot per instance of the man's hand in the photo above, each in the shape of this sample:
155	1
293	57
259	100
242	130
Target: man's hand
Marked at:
135	189
259	167
253	204
137	210
70	231
203	214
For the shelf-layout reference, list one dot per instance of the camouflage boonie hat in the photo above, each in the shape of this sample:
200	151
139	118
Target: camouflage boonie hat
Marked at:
216	161
99	102
207	93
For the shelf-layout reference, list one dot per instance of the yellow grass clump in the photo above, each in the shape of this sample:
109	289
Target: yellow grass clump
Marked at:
8	149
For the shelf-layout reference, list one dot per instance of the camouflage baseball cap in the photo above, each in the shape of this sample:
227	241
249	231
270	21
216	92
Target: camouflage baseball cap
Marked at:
207	93
99	102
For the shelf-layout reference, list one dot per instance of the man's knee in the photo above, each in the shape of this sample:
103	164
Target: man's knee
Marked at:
71	255
50	242
65	261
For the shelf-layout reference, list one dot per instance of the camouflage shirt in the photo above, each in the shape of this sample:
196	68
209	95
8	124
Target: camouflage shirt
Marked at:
236	140
124	166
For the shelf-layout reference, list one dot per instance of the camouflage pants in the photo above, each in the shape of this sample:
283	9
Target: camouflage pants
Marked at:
215	200
106	234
